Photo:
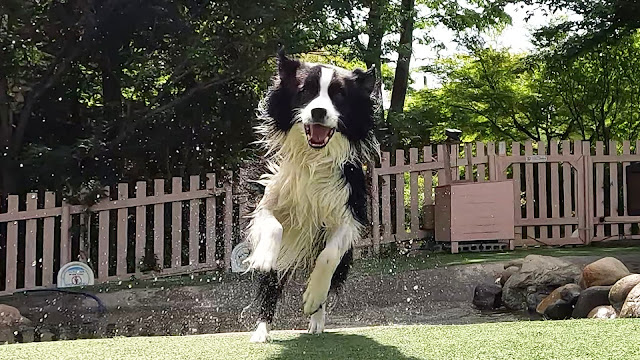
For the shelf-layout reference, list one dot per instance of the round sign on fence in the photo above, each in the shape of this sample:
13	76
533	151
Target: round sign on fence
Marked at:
238	255
75	274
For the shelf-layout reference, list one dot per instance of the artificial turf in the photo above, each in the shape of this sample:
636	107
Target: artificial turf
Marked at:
571	339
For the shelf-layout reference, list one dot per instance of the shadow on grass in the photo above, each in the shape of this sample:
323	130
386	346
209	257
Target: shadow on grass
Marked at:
337	346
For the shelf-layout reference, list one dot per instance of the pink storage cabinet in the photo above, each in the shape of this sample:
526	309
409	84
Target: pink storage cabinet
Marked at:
468	211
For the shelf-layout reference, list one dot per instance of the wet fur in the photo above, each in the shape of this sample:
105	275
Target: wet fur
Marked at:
314	206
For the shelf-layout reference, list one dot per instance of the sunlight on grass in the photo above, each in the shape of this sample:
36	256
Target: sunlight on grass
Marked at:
614	339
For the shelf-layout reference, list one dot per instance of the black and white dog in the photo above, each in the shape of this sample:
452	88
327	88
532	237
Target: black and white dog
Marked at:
317	126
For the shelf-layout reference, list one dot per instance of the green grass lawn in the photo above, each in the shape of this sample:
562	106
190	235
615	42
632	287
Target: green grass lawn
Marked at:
572	339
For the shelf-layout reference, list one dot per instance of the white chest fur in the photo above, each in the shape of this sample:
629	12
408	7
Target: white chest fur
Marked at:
306	192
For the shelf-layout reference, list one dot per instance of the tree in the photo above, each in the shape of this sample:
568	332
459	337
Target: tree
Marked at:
495	95
122	89
598	22
461	18
405	46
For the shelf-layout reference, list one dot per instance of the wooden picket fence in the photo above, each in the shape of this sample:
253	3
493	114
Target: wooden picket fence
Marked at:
140	233
568	192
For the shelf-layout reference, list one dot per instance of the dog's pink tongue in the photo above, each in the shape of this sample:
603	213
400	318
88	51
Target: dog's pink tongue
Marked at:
318	133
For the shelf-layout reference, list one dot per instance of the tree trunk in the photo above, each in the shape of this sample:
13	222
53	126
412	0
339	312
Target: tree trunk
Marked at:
5	125
8	166
401	80
375	31
111	88
373	55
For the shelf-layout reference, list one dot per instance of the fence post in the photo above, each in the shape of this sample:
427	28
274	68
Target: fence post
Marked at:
211	219
122	231
400	226
375	209
386	201
586	219
228	220
65	240
491	160
446	160
47	241
12	246
194	223
30	261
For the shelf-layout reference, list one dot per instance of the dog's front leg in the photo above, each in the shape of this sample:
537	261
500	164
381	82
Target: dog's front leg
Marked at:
320	279
265	234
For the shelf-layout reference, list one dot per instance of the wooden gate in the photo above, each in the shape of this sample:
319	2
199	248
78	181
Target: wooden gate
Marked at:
550	191
608	214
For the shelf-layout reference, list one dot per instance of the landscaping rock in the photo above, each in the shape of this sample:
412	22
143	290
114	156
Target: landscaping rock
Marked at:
506	274
621	289
603	312
590	299
567	294
487	296
534	299
514	263
631	306
11	316
605	271
537	278
558	310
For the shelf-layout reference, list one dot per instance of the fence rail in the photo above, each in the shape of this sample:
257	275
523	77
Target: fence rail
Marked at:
566	193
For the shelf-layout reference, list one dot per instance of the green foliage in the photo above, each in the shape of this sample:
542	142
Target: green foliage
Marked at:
118	89
95	92
496	95
596	22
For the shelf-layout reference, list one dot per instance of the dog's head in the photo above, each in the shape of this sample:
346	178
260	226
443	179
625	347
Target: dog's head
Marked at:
325	99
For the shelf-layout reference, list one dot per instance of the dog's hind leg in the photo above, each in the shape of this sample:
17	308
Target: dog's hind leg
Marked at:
269	291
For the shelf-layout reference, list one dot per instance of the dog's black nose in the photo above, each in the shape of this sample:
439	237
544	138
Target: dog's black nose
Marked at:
318	114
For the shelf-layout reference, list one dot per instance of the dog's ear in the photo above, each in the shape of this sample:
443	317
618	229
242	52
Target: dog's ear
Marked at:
286	67
366	80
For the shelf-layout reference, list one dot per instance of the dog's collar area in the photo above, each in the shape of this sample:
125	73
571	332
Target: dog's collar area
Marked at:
318	136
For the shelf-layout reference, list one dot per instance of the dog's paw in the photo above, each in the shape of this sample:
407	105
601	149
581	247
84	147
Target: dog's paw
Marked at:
262	259
261	335
314	297
316	323
265	254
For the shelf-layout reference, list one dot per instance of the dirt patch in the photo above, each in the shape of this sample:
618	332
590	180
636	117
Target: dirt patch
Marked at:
431	296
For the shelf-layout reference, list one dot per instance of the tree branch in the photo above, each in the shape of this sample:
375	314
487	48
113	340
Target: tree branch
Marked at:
135	121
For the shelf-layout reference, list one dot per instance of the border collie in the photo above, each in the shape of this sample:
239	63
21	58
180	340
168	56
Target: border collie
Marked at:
317	128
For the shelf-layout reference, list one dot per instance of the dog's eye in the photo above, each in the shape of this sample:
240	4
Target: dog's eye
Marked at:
306	89
337	92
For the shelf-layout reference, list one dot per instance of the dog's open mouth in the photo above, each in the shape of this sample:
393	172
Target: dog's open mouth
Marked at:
318	136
